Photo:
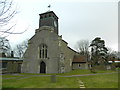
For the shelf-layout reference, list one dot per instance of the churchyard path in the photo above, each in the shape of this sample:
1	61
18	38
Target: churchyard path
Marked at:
27	76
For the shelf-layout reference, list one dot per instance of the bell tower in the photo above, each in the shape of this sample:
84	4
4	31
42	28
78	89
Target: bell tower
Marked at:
49	19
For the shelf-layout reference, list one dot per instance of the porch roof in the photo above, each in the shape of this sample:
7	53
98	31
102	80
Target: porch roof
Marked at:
79	59
10	59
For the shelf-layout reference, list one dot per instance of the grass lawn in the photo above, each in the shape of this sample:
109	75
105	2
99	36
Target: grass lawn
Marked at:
80	72
40	82
95	81
101	81
73	72
0	82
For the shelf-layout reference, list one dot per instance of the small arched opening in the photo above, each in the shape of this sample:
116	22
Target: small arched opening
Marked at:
42	67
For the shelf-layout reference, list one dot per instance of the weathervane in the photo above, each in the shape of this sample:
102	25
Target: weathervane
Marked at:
49	7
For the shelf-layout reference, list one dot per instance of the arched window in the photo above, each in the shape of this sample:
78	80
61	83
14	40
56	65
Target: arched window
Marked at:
43	51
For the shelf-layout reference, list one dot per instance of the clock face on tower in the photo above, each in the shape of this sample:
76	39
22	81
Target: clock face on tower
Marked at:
55	24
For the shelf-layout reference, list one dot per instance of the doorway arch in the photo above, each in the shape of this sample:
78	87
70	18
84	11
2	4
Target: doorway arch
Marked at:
42	67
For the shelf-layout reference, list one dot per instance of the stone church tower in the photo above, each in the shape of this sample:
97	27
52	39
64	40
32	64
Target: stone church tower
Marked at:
47	52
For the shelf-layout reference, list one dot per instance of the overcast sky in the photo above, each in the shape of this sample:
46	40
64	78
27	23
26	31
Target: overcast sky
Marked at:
78	20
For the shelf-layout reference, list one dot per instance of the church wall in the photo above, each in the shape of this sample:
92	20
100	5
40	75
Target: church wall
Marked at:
80	66
31	54
62	62
31	63
68	56
59	56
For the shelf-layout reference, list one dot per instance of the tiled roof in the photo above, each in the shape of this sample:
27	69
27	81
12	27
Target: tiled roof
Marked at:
79	59
114	60
73	50
10	59
49	12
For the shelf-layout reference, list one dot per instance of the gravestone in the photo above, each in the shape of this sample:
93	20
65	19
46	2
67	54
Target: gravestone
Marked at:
53	78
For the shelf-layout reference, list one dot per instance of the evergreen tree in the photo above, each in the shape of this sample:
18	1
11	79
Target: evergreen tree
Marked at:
98	51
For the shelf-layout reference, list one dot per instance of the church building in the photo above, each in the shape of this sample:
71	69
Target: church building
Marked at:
47	52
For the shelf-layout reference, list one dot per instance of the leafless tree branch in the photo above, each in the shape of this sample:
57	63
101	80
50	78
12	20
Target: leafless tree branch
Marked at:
7	11
21	48
82	46
7	31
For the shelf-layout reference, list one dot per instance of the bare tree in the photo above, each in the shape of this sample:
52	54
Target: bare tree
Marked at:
112	54
5	47
7	12
82	47
21	48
